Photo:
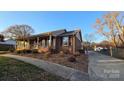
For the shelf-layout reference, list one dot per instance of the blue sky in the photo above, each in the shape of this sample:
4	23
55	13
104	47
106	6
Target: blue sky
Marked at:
48	21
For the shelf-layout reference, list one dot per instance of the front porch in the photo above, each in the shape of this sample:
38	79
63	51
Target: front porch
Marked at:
41	43
44	43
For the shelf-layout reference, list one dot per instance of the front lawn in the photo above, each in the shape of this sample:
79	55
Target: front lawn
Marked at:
14	70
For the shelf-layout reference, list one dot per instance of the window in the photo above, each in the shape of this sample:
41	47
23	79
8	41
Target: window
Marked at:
65	41
46	43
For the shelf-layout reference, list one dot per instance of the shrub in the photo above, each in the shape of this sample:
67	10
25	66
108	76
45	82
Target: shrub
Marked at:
19	51
82	51
28	51
77	54
65	50
72	59
34	51
61	53
42	52
23	51
12	50
47	55
53	51
4	47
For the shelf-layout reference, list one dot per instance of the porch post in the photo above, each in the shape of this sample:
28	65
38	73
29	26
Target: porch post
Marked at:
37	42
34	44
18	45
50	39
28	43
54	43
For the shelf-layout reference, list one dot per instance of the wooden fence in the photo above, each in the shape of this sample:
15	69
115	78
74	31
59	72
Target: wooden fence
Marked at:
118	52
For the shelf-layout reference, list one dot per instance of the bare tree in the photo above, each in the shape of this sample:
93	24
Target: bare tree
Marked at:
89	39
112	22
18	32
119	25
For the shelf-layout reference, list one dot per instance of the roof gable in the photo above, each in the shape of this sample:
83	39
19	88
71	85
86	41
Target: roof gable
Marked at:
58	32
67	33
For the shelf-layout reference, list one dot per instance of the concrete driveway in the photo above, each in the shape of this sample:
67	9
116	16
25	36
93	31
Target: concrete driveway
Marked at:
103	67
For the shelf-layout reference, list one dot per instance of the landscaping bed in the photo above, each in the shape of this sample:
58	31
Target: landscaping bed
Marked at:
15	70
79	62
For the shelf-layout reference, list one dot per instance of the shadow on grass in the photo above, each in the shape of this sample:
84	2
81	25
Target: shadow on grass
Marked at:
15	70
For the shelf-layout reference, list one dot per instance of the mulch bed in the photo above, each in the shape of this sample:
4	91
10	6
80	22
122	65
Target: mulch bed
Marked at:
80	64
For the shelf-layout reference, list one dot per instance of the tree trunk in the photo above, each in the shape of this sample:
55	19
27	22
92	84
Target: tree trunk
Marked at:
115	43
121	40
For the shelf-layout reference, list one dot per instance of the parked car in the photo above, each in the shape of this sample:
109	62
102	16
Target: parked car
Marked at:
98	48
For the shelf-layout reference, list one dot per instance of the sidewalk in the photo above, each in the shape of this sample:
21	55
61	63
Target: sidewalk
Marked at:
102	67
56	69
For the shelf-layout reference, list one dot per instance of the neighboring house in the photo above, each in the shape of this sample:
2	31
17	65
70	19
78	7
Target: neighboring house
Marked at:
9	42
7	45
103	45
1	38
58	40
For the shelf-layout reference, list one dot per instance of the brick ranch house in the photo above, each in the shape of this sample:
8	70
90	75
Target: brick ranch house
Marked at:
58	40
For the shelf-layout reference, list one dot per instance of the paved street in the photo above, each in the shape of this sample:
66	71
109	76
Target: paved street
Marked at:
103	67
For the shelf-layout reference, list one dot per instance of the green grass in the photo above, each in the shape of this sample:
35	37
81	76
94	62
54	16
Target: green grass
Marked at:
14	70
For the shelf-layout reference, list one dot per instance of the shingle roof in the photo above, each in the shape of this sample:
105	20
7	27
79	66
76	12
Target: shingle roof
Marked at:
9	42
61	33
54	33
67	33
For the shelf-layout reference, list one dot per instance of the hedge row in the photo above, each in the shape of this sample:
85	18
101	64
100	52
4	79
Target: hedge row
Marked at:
4	47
